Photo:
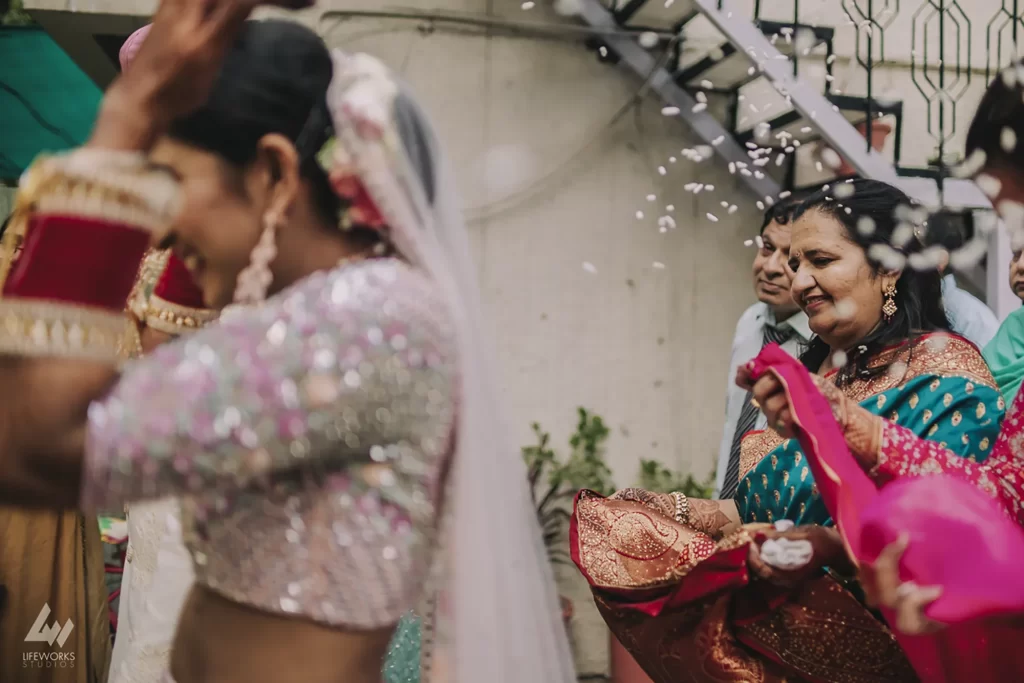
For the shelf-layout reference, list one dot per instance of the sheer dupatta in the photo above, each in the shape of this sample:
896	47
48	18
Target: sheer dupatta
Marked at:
498	617
960	539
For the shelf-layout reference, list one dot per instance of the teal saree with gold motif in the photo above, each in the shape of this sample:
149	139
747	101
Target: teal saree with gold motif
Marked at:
686	606
941	390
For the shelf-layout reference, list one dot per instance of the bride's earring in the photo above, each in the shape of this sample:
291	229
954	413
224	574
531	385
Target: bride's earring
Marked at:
255	279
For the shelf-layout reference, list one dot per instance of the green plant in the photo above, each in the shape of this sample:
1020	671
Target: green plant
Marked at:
554	483
657	478
15	15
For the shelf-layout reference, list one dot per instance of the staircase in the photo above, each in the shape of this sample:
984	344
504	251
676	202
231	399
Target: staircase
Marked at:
648	37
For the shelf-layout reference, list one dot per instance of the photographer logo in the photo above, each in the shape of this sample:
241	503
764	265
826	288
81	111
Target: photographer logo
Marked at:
49	634
41	633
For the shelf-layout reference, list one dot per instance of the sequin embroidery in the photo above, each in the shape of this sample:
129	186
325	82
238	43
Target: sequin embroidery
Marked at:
311	433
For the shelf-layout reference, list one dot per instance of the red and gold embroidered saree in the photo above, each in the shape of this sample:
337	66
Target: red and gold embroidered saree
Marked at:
686	606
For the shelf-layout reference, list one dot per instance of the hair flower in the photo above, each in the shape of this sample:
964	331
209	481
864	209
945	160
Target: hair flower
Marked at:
361	211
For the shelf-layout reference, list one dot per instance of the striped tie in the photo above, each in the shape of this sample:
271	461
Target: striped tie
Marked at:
748	417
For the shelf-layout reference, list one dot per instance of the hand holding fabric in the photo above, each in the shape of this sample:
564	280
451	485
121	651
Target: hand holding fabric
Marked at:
882	584
789	555
861	429
769	396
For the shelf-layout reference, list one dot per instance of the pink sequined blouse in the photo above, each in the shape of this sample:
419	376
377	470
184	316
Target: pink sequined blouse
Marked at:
308	437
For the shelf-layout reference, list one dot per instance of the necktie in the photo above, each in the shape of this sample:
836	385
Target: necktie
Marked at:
748	416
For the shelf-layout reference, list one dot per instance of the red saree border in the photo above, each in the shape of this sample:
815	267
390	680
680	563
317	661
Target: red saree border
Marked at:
954	357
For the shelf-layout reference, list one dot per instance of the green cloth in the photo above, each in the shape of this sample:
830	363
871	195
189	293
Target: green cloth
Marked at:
402	664
47	104
950	408
1005	355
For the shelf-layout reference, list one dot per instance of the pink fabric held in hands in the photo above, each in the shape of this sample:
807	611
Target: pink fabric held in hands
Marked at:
960	540
132	45
844	486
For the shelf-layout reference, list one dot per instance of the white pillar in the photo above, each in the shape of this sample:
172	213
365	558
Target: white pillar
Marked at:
998	295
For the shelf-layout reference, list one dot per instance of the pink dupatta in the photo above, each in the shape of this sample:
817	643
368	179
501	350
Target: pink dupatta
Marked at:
960	539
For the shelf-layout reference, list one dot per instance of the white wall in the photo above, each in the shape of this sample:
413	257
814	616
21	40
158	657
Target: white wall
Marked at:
645	347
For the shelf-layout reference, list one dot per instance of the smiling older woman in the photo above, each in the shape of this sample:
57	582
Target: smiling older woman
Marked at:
688	589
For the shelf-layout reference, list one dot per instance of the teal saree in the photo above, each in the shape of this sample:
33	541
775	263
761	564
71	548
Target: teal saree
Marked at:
402	664
946	394
1005	355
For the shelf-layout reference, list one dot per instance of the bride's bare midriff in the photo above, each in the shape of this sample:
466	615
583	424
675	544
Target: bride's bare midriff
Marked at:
220	641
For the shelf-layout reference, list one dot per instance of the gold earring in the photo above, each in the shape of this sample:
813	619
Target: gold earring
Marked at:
889	305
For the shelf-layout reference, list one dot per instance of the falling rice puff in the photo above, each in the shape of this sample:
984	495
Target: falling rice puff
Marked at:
648	39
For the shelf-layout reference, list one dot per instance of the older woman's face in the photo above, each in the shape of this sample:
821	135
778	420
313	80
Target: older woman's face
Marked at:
833	282
219	223
1017	273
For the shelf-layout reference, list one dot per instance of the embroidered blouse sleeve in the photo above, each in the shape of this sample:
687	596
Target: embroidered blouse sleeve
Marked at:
890	450
358	363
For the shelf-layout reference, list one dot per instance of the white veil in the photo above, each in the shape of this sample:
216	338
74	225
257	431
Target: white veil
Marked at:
498	614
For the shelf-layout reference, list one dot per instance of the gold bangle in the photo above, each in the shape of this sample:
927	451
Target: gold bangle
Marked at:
49	328
682	507
175	319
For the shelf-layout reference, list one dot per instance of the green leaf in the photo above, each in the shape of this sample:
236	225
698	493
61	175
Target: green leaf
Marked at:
654	476
16	15
584	468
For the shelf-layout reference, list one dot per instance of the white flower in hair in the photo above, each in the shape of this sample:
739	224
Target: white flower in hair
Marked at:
368	93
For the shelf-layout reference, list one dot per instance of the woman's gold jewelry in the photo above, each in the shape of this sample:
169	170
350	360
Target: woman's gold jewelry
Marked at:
682	507
754	402
779	425
889	305
173	318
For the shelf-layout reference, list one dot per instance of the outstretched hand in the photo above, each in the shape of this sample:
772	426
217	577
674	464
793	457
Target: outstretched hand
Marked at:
175	69
882	585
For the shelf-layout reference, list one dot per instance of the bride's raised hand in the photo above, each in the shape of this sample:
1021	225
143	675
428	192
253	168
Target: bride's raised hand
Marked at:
174	71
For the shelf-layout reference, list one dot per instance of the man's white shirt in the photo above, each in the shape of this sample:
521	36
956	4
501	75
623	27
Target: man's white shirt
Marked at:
746	344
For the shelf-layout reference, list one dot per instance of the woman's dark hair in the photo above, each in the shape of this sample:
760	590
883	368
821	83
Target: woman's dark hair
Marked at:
919	306
274	80
781	213
1001	109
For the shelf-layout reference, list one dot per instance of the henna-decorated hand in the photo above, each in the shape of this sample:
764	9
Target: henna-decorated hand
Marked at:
825	550
711	518
771	396
862	429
